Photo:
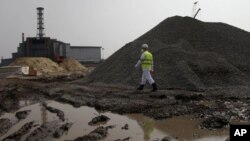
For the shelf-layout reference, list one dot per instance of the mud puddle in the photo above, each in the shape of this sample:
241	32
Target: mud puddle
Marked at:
135	126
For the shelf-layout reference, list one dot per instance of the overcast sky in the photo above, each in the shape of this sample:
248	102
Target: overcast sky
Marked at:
106	23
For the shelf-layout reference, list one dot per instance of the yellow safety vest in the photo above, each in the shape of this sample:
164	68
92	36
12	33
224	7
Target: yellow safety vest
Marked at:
147	62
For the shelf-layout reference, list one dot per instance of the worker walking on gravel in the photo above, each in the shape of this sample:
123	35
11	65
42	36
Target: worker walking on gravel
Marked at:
146	63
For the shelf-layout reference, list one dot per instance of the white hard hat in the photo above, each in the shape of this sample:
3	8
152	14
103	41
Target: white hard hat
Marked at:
144	46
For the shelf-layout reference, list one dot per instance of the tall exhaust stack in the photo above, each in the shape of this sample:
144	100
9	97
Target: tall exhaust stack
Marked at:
23	37
40	23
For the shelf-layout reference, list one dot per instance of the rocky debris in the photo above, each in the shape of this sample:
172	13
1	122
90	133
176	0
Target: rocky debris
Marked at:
45	132
119	101
48	70
22	114
58	112
158	114
238	110
1	88
72	65
6	124
9	102
167	138
122	105
1	112
158	96
189	55
125	127
73	100
99	119
60	131
214	123
58	77
125	139
189	97
42	64
98	134
77	95
21	132
177	103
228	139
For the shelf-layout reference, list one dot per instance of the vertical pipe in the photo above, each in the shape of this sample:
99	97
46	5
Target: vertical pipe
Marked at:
22	37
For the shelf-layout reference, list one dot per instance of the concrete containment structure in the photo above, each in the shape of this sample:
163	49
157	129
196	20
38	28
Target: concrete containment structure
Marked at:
84	54
54	49
41	46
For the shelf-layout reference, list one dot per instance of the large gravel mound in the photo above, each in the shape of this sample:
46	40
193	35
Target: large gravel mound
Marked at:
188	54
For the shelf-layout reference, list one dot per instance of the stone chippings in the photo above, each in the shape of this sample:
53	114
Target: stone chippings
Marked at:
188	54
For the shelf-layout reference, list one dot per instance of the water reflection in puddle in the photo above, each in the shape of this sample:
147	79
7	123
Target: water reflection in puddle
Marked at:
141	128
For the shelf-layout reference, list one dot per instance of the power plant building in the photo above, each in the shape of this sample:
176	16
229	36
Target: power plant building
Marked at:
41	46
84	53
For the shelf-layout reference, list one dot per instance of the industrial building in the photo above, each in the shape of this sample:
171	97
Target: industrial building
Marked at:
41	46
84	54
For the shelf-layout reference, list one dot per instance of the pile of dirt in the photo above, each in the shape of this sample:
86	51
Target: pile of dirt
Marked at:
188	54
72	65
47	66
42	64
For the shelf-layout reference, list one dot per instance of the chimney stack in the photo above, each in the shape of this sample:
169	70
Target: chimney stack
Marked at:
22	37
40	23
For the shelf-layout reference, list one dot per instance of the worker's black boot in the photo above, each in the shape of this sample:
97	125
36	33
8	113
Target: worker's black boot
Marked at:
154	87
140	87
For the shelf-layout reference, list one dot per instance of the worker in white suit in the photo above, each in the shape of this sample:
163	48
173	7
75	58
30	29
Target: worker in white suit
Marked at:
146	63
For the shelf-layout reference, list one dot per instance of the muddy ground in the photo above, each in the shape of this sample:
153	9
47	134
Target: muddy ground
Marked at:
215	107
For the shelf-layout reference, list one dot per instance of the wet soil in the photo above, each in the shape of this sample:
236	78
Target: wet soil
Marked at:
47	126
160	113
99	119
